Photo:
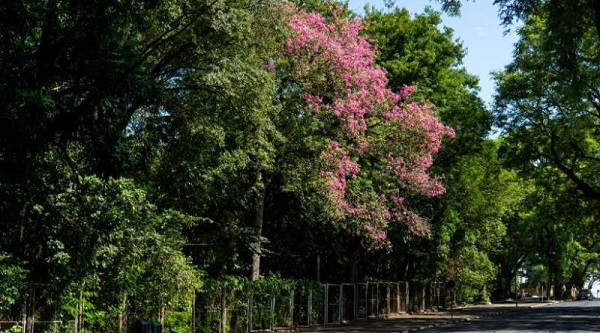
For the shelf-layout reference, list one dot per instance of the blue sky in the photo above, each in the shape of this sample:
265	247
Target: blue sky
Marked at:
479	30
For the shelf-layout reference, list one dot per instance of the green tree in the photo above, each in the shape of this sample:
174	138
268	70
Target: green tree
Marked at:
415	51
550	114
117	249
12	278
482	202
221	135
94	90
560	232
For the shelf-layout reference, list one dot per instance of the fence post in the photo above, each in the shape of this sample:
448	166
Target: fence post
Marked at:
341	304
367	300
309	306
193	321
355	293
430	305
407	295
377	300
397	297
387	299
293	292
273	305
30	310
223	327
250	310
326	303
423	297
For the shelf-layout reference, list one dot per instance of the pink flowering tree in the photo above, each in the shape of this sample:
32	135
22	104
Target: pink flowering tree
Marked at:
376	144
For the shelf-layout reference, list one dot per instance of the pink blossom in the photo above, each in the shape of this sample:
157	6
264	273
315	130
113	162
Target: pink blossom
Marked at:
333	62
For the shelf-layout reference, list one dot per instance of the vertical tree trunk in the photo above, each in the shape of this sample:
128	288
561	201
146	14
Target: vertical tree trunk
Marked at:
80	309
507	284
123	314
258	224
193	321
354	261
223	326
30	310
162	312
318	268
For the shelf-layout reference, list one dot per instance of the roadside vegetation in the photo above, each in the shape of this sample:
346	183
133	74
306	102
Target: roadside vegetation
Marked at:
150	150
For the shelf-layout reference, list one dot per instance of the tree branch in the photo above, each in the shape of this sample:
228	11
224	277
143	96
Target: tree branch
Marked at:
584	187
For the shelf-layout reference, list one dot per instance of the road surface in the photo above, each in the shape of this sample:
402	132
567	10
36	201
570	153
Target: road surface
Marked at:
579	316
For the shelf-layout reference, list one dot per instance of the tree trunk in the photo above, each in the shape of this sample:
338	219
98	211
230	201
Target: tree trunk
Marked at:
354	261
508	280
30	310
223	325
162	312
258	224
123	314
80	312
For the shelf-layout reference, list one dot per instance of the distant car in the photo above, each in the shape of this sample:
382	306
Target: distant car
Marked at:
585	294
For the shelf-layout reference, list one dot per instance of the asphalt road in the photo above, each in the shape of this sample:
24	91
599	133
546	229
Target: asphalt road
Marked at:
579	316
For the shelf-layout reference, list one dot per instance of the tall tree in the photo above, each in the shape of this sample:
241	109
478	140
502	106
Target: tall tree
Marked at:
377	146
93	90
354	152
221	135
547	105
550	113
415	51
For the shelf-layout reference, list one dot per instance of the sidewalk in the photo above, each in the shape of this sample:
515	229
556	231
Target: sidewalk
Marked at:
415	322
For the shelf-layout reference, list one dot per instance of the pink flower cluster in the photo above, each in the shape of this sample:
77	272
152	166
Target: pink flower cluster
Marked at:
337	48
344	168
334	63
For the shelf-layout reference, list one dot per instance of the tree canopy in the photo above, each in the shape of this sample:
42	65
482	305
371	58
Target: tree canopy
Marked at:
149	147
547	107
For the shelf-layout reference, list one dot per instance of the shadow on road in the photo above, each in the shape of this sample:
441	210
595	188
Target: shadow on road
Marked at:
543	319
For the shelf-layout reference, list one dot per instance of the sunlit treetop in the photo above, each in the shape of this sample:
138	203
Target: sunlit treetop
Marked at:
381	144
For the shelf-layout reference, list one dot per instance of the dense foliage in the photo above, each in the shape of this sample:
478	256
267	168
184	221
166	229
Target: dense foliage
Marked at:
150	151
549	113
143	144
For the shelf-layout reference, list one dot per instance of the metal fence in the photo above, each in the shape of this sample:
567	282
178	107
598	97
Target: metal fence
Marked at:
302	306
426	297
227	308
